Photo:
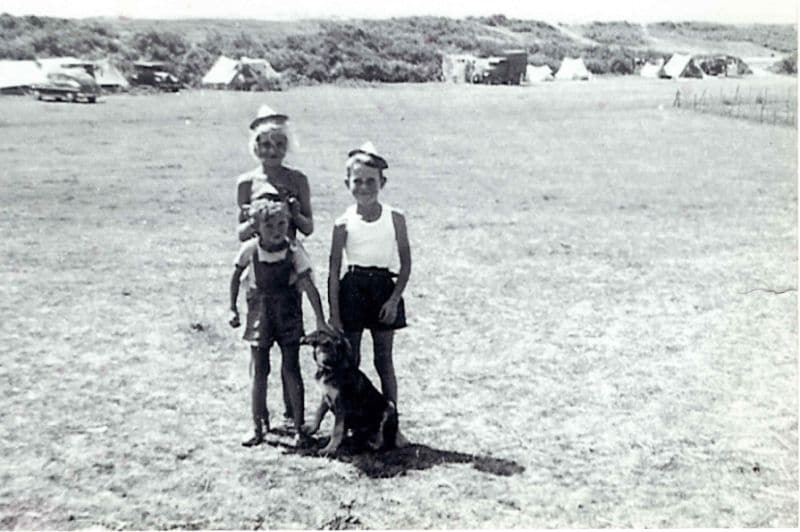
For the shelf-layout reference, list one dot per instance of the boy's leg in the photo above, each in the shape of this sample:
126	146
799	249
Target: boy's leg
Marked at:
354	338
287	400
293	381
258	394
383	342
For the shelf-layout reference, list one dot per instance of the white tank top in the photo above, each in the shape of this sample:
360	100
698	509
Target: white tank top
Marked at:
370	243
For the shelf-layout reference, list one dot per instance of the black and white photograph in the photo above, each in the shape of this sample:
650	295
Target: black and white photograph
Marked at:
409	265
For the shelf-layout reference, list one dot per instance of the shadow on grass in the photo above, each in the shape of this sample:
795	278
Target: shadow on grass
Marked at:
395	462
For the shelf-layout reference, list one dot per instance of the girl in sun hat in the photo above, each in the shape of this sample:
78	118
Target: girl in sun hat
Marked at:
270	140
371	240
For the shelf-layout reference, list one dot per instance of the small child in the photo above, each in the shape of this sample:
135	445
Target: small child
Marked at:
373	237
278	271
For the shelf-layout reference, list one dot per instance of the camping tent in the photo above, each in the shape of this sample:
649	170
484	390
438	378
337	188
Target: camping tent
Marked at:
651	70
681	66
245	74
535	74
18	76
51	64
108	76
573	69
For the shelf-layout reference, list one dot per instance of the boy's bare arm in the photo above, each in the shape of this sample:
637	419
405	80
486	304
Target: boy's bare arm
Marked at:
334	267
404	250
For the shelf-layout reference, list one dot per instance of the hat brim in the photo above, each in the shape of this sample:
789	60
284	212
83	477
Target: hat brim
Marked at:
277	118
378	161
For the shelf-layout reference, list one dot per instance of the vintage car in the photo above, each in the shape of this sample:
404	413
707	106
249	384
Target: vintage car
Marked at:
68	84
155	74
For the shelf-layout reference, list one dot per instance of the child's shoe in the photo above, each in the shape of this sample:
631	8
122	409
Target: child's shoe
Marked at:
257	439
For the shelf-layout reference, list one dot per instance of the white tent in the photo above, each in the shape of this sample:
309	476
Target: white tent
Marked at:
19	75
108	76
681	66
651	70
535	74
222	72
573	69
457	68
227	73
51	64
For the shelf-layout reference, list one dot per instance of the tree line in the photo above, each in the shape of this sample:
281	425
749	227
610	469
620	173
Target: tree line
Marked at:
404	49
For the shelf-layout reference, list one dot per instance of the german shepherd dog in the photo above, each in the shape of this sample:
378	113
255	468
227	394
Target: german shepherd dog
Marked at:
356	404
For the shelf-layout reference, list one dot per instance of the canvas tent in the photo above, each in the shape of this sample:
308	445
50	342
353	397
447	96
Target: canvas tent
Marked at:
573	69
651	70
51	64
18	76
244	74
536	74
681	66
109	77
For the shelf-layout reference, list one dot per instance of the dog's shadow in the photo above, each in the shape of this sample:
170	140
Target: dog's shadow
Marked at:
395	462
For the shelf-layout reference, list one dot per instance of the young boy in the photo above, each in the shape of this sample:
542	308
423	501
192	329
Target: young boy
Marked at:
372	237
278	271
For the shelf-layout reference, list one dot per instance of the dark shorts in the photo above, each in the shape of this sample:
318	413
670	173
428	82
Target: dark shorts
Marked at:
273	319
362	293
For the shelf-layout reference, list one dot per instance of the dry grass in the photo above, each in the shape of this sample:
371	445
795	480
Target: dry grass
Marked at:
592	341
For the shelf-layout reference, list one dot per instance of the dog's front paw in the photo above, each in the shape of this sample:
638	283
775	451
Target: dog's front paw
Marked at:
328	450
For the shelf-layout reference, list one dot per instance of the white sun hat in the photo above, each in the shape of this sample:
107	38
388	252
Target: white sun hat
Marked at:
369	149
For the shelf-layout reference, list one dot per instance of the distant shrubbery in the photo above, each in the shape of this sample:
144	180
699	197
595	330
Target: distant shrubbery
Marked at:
782	37
621	33
787	65
395	50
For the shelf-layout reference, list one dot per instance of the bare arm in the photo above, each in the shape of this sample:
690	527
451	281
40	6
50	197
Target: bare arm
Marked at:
305	284
388	312
404	250
234	296
334	267
301	210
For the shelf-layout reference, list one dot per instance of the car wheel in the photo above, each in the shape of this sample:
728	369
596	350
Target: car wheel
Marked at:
91	99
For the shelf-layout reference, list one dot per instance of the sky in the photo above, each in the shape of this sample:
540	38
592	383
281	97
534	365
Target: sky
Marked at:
725	11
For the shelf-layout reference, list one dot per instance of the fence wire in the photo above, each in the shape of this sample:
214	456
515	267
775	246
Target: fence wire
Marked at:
766	106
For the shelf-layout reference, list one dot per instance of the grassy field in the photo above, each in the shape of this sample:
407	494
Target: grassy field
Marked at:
602	310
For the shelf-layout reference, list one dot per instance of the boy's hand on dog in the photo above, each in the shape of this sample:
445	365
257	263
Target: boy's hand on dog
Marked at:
233	319
388	311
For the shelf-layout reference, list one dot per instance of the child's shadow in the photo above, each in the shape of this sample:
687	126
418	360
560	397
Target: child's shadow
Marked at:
386	464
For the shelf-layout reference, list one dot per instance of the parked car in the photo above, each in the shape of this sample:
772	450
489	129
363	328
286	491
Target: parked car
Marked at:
68	84
155	75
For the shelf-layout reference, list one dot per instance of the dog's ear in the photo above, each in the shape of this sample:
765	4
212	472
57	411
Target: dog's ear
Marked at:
343	346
